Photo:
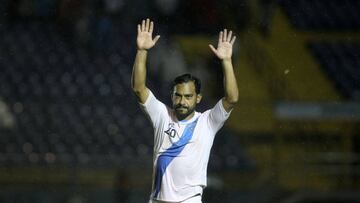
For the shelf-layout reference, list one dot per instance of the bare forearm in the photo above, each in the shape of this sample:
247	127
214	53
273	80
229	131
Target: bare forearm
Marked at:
230	84
138	81
139	70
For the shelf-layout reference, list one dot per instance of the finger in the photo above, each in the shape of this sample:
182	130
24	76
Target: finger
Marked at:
233	40
212	48
151	27
225	35
147	24
143	26
156	38
220	37
229	36
139	28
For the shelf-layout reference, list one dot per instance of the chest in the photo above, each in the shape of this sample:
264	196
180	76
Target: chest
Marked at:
173	131
192	134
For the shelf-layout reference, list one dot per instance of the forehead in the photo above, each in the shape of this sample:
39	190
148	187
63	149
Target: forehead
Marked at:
185	88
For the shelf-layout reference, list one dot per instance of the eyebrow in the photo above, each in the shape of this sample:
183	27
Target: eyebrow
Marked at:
186	95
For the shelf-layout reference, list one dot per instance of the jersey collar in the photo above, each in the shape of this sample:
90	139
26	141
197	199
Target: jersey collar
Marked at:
196	115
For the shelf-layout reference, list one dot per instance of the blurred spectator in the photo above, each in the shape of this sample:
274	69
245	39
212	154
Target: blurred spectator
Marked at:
167	61
31	8
208	16
91	22
45	8
77	198
72	16
71	9
266	12
5	8
233	14
167	7
25	8
122	187
198	16
114	6
167	14
7	120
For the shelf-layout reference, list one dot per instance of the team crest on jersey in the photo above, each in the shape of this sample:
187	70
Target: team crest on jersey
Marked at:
171	131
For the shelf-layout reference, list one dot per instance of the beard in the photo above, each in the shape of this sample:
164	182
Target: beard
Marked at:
183	111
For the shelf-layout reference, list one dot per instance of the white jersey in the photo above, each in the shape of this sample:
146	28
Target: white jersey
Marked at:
181	149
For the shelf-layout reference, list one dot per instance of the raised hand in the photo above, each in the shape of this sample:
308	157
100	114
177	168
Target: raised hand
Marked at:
144	37
225	45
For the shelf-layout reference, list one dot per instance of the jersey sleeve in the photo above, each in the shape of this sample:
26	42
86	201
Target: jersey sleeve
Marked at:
217	116
154	109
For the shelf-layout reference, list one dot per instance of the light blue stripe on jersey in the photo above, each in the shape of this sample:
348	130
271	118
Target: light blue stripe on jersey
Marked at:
167	156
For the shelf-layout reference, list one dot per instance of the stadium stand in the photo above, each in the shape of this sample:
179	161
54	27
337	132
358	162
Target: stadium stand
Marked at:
337	56
326	15
341	62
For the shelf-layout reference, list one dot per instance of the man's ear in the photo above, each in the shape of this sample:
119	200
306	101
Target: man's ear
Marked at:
198	98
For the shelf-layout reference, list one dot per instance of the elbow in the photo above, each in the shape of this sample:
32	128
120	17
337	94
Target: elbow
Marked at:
233	100
137	90
137	87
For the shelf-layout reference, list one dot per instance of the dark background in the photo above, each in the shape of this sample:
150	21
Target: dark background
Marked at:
72	131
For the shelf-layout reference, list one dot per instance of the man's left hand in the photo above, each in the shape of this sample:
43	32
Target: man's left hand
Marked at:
225	44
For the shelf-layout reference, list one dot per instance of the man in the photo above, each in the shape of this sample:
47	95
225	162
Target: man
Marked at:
182	136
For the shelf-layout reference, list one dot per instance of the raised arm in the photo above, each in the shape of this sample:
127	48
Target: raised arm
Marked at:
144	42
224	53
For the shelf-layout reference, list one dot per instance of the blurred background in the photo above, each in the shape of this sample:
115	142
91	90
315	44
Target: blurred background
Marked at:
71	130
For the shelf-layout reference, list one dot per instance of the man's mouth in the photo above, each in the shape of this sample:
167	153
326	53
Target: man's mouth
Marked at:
181	108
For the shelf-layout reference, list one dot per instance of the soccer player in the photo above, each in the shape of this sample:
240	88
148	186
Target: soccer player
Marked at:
183	137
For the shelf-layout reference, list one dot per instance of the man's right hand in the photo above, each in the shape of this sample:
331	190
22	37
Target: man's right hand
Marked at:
144	37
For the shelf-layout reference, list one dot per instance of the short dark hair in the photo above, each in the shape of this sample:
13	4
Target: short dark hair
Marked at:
187	77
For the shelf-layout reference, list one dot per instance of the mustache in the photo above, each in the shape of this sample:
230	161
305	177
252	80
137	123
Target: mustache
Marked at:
181	106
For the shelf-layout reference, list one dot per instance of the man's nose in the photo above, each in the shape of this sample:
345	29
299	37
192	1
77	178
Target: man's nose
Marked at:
182	101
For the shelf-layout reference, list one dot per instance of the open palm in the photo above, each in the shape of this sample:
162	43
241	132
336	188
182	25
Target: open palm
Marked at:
225	45
144	37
